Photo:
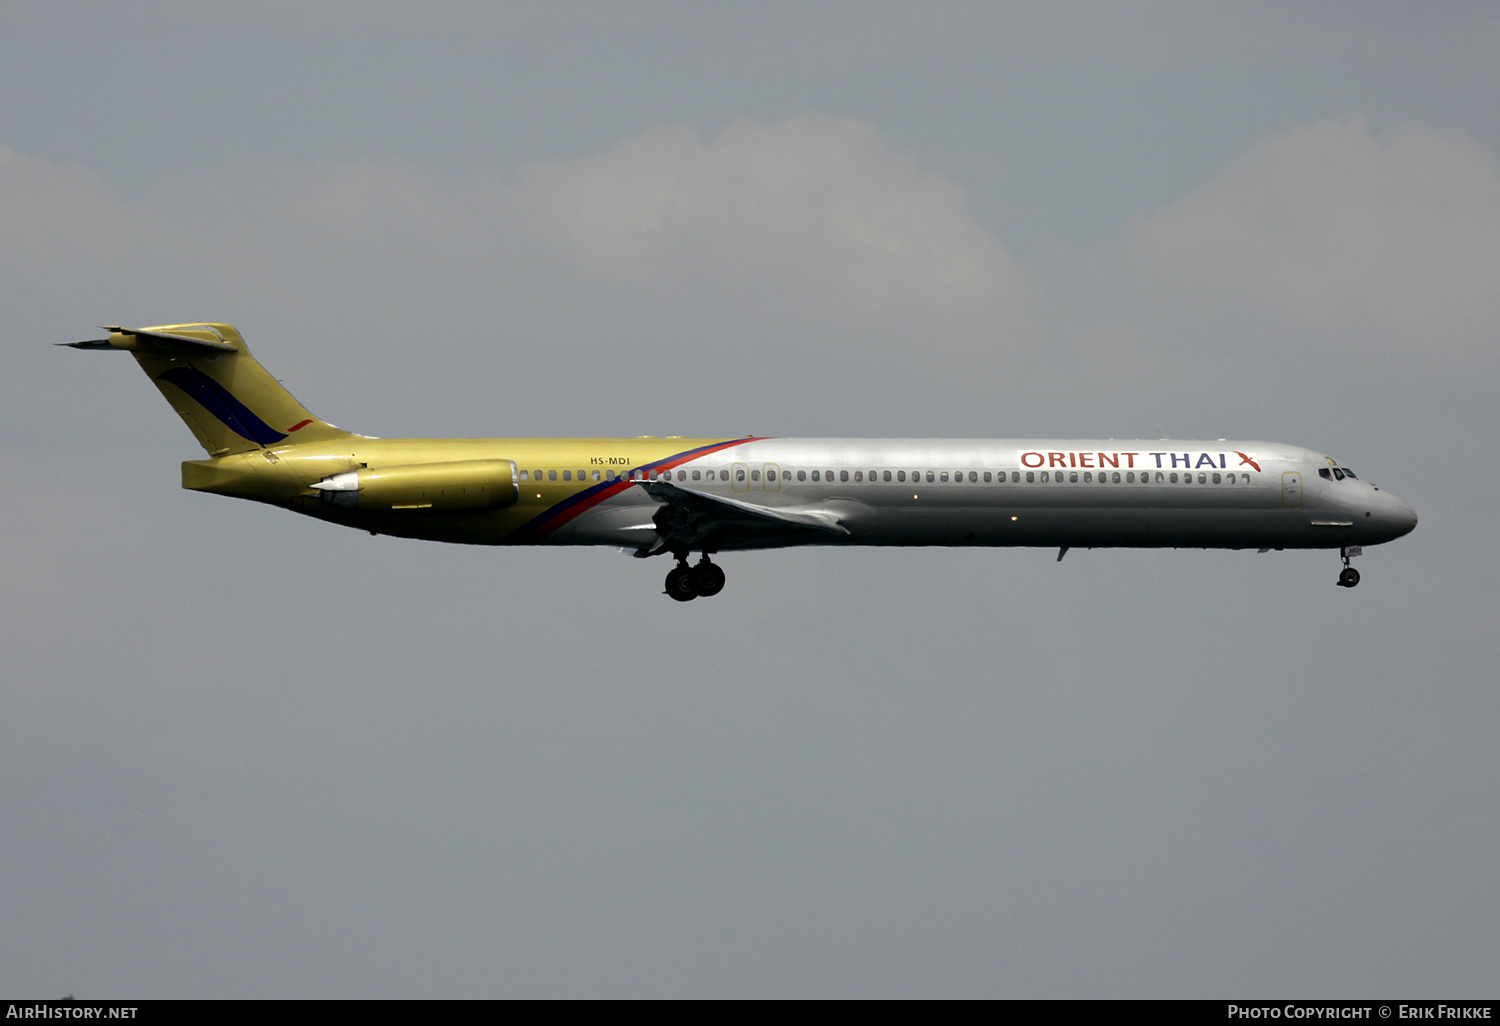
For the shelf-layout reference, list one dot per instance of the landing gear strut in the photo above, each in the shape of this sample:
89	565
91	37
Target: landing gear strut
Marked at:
1349	577
685	583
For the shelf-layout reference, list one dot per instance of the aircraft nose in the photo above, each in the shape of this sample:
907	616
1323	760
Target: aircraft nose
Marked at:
1405	518
1395	516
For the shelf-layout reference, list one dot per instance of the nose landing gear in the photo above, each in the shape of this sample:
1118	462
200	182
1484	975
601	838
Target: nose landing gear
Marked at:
1349	577
685	583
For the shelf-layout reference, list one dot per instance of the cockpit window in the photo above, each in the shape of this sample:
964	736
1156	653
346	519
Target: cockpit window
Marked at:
1349	473
1325	473
1338	474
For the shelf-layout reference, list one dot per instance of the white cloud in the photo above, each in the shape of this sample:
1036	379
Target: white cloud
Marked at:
1364	243
811	209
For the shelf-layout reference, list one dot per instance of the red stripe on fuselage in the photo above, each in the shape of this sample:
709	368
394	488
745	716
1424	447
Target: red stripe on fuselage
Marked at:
299	425
555	517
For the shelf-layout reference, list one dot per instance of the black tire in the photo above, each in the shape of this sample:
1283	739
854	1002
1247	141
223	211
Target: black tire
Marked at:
707	579
680	584
1349	577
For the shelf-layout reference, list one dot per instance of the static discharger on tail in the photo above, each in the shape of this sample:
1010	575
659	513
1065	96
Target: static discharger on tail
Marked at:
681	496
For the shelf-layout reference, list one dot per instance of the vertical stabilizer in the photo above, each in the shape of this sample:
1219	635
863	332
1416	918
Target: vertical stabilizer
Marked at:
206	372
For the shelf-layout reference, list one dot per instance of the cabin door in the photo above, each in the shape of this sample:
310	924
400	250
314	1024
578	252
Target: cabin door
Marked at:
1291	489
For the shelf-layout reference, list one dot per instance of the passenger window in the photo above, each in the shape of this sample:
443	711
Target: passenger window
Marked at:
551	475
1130	477
816	475
755	475
900	475
843	475
1088	477
801	475
942	477
1115	477
1231	479
859	475
1015	475
1073	477
827	475
1202	478
723	475
696	473
523	475
1174	477
567	475
739	475
1030	476
986	477
770	475
885	476
1217	479
929	477
1045	479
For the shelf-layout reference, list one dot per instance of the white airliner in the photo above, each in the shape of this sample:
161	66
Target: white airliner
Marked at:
707	495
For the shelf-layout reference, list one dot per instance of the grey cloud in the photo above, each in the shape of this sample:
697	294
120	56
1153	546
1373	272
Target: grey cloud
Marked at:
245	753
1374	242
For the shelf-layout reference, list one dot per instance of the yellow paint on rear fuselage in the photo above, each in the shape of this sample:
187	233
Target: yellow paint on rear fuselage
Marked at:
283	475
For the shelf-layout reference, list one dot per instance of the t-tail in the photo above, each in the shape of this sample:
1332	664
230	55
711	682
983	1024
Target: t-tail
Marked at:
229	401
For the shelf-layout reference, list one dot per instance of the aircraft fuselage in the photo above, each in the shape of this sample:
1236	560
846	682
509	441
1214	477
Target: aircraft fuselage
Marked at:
1038	492
683	495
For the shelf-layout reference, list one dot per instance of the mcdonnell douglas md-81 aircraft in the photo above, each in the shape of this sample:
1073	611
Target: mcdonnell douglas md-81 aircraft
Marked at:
708	495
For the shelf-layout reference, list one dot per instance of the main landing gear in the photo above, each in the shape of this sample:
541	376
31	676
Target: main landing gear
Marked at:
1349	577
685	583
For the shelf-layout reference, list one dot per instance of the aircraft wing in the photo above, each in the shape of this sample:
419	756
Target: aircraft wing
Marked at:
690	519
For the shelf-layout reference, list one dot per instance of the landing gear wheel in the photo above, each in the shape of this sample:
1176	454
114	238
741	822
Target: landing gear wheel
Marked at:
1348	577
707	578
680	583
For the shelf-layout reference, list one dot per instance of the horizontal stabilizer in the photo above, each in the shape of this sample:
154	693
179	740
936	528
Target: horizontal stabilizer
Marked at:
168	340
141	340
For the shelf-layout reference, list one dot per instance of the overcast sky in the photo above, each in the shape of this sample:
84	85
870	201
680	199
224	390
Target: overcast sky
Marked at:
244	753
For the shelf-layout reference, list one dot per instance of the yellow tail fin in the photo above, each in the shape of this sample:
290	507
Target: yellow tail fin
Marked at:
231	403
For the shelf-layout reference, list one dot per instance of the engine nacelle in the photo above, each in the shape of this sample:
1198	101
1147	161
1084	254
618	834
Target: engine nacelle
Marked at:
461	486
